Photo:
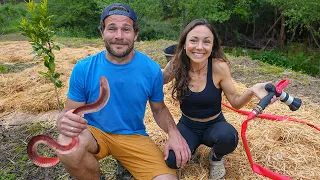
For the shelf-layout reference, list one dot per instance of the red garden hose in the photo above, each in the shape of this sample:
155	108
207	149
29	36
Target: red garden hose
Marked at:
293	103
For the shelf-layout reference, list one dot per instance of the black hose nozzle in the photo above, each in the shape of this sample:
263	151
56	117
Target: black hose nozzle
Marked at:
293	103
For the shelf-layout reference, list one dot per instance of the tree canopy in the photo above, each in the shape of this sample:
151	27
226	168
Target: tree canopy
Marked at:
250	23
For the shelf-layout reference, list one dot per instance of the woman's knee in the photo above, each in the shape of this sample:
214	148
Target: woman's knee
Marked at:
223	141
171	161
226	144
230	139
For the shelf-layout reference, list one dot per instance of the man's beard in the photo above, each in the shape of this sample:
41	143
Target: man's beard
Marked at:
116	53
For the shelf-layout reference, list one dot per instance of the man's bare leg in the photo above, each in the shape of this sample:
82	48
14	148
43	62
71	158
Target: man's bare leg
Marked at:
166	177
81	164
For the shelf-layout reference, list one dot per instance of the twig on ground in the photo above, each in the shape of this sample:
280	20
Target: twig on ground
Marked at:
23	141
7	113
11	161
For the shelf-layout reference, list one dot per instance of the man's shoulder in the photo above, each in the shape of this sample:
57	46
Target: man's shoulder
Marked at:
147	59
93	57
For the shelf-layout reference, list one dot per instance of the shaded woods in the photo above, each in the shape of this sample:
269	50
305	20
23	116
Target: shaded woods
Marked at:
248	23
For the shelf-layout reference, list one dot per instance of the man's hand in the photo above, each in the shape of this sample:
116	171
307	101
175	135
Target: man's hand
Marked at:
71	124
180	147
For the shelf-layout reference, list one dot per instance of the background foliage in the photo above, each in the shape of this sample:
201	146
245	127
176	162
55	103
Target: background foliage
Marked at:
251	24
246	20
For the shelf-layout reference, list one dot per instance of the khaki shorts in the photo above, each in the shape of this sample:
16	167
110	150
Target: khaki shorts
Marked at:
137	153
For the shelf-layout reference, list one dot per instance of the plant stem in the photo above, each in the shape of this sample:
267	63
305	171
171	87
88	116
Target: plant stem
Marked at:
57	96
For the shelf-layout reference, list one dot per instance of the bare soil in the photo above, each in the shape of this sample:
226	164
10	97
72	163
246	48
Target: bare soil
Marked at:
16	127
249	72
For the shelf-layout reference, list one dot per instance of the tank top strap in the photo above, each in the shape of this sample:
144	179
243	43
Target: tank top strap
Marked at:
209	72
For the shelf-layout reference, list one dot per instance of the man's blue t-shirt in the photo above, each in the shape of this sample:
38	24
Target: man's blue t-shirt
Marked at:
131	86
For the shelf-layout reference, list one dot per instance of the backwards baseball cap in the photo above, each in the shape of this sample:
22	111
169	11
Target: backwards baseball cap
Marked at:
120	9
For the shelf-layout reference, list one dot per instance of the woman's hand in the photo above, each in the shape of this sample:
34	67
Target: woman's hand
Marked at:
260	91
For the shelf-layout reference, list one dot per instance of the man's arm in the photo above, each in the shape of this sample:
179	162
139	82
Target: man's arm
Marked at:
175	141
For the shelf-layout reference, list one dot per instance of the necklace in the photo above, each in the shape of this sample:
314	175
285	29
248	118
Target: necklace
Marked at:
198	70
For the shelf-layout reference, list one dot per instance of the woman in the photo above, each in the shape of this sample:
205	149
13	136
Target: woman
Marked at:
201	73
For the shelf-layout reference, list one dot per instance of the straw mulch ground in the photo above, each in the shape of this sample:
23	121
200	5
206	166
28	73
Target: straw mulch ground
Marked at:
28	107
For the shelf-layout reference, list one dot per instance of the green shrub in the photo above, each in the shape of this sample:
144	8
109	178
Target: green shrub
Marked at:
296	60
296	57
10	17
72	32
75	18
153	30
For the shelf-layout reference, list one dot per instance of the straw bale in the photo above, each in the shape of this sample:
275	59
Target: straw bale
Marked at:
285	147
27	91
15	51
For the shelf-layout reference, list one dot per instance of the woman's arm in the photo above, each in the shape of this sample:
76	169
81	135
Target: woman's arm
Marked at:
167	73
237	100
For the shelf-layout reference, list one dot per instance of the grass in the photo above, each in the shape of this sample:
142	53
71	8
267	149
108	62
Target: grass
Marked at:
294	57
19	161
66	41
79	42
4	68
16	36
6	175
267	69
15	67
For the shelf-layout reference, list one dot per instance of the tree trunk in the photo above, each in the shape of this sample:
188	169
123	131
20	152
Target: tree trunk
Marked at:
254	28
276	19
226	33
184	15
282	31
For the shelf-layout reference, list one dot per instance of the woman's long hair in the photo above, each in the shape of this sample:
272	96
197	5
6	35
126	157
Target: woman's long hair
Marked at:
181	62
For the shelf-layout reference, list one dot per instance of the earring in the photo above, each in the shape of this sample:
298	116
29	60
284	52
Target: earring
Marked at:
212	54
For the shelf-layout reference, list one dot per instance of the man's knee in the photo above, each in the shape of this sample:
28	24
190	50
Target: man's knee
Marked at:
81	151
63	140
171	161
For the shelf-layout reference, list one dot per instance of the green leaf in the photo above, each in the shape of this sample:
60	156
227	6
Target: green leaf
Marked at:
51	55
46	58
56	75
43	73
51	67
46	64
56	48
58	83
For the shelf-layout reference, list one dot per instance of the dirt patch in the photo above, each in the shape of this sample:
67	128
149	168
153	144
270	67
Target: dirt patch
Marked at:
15	67
25	113
249	72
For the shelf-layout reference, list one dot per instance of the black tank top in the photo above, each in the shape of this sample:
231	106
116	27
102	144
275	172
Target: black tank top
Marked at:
206	103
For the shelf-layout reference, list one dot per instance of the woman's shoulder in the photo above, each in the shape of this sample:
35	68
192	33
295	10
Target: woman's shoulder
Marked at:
219	65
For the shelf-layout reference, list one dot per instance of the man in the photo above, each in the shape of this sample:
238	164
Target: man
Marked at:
118	128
